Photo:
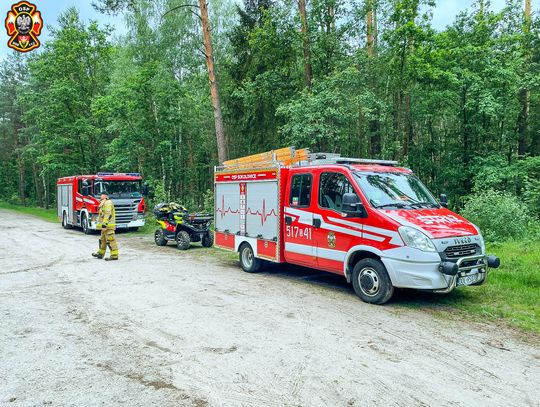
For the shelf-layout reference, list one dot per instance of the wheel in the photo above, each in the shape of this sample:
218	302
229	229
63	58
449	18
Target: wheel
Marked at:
159	237
65	223
208	240
248	261
371	281
84	223
183	240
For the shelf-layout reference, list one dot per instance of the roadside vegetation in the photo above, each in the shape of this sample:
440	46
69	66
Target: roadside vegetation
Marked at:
47	214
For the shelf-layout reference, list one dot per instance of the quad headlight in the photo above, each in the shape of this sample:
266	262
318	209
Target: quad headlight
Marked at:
414	238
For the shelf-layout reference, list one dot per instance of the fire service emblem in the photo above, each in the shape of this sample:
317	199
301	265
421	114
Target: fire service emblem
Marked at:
23	25
331	240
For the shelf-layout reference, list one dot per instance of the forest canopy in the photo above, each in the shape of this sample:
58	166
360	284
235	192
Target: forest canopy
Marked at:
372	78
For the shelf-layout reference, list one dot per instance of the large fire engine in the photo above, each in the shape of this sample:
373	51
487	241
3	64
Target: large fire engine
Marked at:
78	199
369	220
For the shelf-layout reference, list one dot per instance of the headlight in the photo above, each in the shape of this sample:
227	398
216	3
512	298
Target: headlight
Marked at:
414	238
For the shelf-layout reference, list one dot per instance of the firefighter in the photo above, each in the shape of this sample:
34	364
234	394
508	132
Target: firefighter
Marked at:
106	222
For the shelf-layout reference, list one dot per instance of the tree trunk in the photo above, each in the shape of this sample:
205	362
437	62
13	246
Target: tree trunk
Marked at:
374	124
37	185
524	93
370	24
408	131
214	91
308	74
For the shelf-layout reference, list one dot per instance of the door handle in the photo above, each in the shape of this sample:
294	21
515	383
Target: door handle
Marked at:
317	223
288	220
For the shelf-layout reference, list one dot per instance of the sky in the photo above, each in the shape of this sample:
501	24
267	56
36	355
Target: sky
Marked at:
443	14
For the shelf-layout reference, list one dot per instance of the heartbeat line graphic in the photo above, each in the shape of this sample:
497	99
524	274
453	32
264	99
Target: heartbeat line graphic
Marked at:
223	211
264	216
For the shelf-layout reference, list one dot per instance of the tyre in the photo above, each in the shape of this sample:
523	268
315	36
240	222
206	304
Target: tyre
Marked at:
183	240
208	240
248	261
371	281
65	223
159	237
84	224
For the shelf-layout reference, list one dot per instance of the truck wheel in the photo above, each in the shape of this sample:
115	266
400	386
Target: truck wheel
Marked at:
183	240
159	237
84	223
248	261
371	281
208	240
65	223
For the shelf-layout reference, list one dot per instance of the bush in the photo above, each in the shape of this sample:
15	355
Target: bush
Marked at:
499	215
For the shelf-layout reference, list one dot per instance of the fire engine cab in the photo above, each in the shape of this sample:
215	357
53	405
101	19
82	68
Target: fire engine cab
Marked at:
78	199
369	220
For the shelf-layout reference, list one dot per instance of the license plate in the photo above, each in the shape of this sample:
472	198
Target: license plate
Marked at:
471	279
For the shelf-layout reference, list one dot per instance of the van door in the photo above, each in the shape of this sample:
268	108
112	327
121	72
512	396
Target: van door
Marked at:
334	233
298	221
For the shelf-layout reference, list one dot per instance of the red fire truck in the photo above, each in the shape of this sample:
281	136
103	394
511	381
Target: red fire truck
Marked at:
369	220
78	199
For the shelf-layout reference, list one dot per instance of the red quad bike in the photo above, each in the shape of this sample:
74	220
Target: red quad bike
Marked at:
178	225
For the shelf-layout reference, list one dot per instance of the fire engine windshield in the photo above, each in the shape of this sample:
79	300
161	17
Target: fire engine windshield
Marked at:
391	190
118	189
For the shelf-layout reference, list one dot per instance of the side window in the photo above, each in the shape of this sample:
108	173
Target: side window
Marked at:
79	186
300	190
332	187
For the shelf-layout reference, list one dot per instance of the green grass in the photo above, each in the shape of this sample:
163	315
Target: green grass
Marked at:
510	296
47	214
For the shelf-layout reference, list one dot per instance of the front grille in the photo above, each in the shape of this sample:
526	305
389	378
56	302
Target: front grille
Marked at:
126	212
454	252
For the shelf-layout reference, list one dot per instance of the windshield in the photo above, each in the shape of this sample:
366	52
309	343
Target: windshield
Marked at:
118	189
391	190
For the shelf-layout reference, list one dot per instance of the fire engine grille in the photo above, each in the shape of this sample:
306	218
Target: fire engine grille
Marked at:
126	212
454	252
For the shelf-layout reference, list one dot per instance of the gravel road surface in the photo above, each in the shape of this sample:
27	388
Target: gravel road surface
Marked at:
162	327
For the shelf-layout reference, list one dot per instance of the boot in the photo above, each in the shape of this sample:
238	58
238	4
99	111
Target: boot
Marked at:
110	258
97	255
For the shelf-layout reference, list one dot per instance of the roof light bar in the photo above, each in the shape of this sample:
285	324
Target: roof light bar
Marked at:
131	174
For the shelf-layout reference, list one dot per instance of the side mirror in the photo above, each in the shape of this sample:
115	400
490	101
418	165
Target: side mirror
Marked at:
352	206
145	190
444	200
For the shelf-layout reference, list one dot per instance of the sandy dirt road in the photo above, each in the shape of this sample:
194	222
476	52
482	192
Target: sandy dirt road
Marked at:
167	328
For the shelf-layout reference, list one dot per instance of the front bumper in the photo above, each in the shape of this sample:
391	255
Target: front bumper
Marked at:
133	224
426	273
466	266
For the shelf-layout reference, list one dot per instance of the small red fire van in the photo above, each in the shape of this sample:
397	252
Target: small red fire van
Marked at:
78	199
371	221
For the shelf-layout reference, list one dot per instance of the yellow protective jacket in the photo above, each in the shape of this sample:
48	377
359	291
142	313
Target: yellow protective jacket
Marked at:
106	215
